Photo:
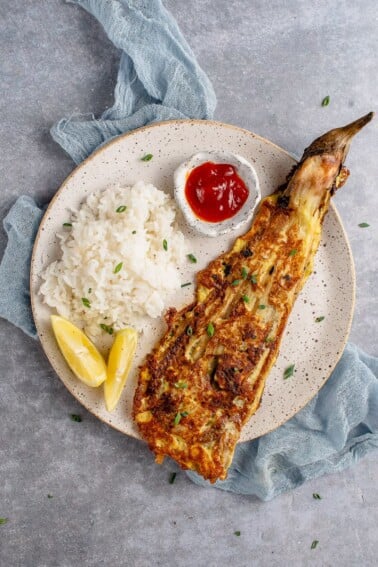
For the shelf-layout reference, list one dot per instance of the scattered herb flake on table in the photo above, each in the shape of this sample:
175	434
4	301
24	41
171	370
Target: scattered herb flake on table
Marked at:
49	496
76	417
316	496
319	319
68	224
363	225
192	258
237	533
86	302
3	521
314	543
326	101
147	157
172	478
165	245
186	284
289	371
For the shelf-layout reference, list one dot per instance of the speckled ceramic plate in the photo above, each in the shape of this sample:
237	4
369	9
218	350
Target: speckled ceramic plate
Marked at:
313	347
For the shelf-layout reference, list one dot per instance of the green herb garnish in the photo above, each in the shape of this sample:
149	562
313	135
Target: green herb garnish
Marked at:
172	478
67	224
181	385
189	331
118	268
236	282
76	417
293	252
319	319
147	157
3	521
179	415
192	258
314	543
107	328
90	290
269	340
186	284
289	371
254	278
49	496
262	306
244	272
325	101
86	302
363	225
316	496
245	298
237	533
121	209
133	232
210	330
165	245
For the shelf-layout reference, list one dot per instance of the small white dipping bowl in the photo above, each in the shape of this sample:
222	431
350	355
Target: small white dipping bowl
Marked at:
245	171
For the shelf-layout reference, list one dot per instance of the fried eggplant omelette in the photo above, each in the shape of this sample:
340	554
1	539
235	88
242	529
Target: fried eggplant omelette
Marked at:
204	379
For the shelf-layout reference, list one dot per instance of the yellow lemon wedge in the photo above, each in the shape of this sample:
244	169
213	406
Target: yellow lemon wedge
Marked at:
79	352
119	363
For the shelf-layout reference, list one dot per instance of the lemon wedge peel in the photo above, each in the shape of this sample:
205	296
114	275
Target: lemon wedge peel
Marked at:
79	352
120	359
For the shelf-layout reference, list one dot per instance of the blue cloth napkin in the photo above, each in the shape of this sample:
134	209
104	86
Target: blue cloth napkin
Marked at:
159	79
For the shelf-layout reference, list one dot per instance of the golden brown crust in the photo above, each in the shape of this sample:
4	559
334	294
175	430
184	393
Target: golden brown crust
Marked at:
204	379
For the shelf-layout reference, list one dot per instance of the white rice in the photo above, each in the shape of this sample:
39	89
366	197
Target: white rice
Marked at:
99	240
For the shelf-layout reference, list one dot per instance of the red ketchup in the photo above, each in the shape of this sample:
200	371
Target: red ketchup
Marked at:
215	192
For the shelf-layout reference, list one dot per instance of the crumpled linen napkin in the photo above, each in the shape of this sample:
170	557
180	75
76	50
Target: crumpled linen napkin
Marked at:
160	79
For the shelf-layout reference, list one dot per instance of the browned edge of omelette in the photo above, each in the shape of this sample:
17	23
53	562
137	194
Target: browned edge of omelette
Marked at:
204	379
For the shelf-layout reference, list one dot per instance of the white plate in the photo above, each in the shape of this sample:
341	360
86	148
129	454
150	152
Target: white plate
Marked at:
313	347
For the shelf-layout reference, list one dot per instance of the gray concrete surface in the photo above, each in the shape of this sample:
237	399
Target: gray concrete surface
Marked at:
271	64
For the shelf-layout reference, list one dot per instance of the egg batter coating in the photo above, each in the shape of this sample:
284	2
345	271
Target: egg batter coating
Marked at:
204	379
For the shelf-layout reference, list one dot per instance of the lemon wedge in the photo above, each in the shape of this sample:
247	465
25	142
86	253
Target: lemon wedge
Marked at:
119	363
79	352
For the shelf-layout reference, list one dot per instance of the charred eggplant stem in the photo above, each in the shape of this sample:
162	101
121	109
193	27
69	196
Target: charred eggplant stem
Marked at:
196	391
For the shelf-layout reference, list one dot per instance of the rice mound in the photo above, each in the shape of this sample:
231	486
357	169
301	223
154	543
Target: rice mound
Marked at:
117	268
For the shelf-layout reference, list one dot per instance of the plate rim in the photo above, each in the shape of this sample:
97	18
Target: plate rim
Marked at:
116	140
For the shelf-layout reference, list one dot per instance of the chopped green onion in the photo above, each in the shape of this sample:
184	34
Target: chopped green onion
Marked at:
107	328
86	302
172	478
269	339
293	252
189	331
237	533
181	385
289	371
319	319
316	496
147	157
67	224
165	245
121	209
363	225
179	415
314	543
49	496
245	298
236	282
192	258
118	268
133	232
254	278
325	101
186	284
262	306
210	330
76	417
244	272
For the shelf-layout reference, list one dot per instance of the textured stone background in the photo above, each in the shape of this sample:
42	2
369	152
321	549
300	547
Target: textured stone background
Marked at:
271	64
